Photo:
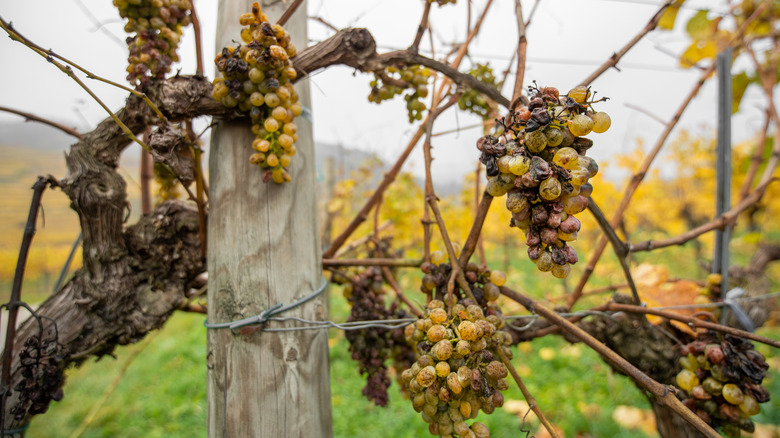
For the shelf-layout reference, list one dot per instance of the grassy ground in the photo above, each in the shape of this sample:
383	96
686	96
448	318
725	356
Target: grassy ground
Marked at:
157	389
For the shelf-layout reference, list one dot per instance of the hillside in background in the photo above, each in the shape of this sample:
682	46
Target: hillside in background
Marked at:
28	150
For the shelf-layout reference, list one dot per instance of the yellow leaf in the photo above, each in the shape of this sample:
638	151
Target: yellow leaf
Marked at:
697	51
666	22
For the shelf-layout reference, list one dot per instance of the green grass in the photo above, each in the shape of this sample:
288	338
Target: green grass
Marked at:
162	392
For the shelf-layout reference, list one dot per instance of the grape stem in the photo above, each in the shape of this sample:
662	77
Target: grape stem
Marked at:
527	394
662	393
617	56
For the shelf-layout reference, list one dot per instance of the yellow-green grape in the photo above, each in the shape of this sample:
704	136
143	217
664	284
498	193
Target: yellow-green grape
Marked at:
561	271
554	136
438	316
474	101
689	364
442	350
480	430
257	79
426	376
710	385
467	331
503	163
749	406
535	141
498	278
580	94
581	125
601	122
442	369
566	157
550	189
157	25
567	237
496	188
575	204
687	379
492	292
516	201
438	257
545	263
519	165
589	164
733	394
579	176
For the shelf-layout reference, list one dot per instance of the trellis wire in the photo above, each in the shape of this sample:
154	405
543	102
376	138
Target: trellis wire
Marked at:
392	324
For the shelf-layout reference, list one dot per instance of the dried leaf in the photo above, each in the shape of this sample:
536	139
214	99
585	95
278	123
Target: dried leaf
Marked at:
654	291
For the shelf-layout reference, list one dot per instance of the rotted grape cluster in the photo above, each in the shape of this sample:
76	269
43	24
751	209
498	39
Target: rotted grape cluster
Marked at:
474	101
395	80
157	25
458	371
483	282
371	347
721	378
539	162
257	79
43	376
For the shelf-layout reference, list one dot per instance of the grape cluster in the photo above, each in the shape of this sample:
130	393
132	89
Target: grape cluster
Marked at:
539	162
157	25
474	101
721	376
257	79
371	347
458	371
483	282
395	80
43	376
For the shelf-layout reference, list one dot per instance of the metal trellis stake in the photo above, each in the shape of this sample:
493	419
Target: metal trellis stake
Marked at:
720	262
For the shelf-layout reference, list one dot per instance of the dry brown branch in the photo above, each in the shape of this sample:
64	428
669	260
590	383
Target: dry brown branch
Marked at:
421	27
621	249
527	394
289	12
522	44
34	118
615	58
756	158
694	322
633	184
399	293
639	176
662	393
473	238
198	39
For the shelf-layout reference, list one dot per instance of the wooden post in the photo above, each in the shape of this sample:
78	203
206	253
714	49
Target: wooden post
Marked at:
264	250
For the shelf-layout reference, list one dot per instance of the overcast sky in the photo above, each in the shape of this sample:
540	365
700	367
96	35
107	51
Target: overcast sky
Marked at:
567	40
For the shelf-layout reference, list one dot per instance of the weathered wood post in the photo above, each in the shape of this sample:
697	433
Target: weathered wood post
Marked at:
264	249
